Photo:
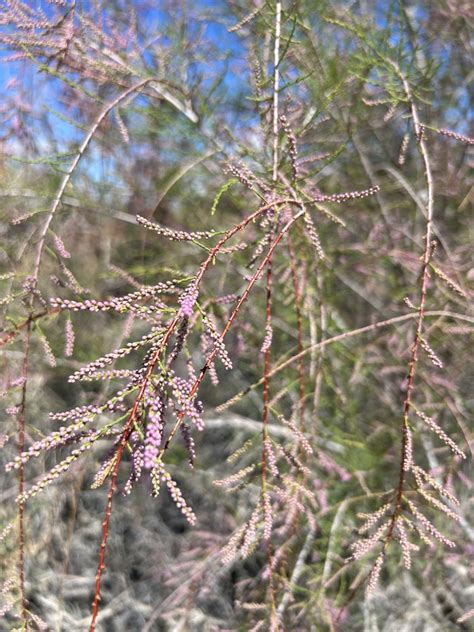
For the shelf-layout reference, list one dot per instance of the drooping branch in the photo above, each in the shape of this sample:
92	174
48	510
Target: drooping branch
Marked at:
133	90
151	367
276	87
405	456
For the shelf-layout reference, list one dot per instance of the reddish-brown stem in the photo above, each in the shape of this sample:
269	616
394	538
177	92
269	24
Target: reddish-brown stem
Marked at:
232	317
267	373
27	323
7	336
265	415
408	397
133	413
39	254
118	458
418	130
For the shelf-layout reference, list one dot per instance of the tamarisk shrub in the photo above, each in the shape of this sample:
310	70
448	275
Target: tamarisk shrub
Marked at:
237	270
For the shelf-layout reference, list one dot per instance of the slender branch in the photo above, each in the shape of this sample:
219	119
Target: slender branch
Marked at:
113	482
276	86
67	177
407	404
133	413
7	336
232	317
268	330
340	338
39	254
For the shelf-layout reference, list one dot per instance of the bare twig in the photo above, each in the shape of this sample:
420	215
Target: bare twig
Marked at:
276	87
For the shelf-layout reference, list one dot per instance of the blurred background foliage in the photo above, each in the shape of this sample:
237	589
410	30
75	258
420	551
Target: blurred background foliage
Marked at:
163	156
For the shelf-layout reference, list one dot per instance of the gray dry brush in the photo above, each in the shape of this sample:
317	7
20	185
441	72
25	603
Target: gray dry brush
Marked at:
237	266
